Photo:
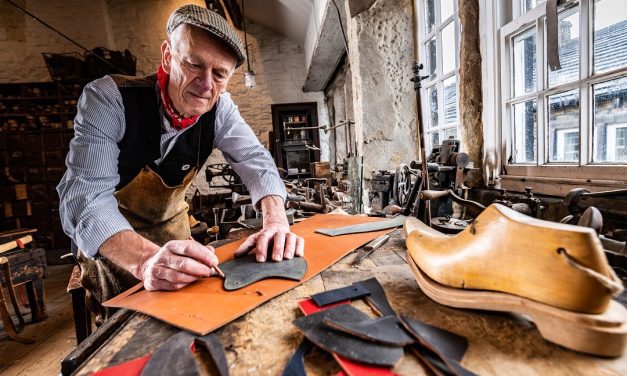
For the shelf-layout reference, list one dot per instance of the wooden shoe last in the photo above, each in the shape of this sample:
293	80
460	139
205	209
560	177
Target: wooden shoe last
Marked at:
556	274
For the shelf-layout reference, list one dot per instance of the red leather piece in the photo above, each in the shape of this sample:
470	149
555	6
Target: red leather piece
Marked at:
131	368
350	368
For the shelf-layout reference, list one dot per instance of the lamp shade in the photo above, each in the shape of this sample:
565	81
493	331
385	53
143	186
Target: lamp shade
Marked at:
249	79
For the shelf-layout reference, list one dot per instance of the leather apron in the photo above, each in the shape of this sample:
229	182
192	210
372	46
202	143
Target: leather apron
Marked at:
156	210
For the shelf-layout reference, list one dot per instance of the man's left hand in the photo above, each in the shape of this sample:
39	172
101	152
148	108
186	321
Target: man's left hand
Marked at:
276	231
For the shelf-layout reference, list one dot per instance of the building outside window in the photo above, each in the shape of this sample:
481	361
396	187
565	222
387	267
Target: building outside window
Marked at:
439	36
576	115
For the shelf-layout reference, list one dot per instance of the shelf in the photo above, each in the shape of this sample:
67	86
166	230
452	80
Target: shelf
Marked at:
12	98
38	114
36	120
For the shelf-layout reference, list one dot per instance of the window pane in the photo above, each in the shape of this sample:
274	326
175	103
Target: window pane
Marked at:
449	133
430	15
432	140
447	9
568	48
564	127
432	63
610	34
450	100
530	4
525	63
448	48
525	132
432	100
610	121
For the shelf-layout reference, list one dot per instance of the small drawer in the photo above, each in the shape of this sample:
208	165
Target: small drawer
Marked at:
37	191
35	175
55	158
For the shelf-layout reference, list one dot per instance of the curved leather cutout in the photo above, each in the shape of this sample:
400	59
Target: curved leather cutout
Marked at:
173	358
385	330
346	345
241	272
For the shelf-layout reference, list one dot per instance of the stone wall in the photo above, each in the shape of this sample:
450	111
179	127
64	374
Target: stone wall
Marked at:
139	26
381	55
470	95
23	39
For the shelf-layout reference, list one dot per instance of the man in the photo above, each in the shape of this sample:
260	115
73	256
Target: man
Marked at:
138	144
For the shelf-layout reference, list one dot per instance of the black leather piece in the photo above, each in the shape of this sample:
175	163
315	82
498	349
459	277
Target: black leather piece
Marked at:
338	295
241	272
449	344
386	330
174	357
343	344
212	344
296	365
438	365
440	349
377	299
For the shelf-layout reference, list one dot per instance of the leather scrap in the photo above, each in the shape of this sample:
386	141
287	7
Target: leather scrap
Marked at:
193	307
241	272
350	367
296	365
438	365
386	330
131	368
377	299
365	227
173	358
346	345
449	344
337	295
442	352
214	347
177	347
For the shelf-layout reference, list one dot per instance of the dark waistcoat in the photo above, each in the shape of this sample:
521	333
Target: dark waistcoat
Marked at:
140	146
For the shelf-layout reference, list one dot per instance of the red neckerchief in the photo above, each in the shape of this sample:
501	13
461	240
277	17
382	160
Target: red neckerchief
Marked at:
178	122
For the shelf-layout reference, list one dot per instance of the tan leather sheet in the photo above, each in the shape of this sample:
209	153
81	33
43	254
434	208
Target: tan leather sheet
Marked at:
205	306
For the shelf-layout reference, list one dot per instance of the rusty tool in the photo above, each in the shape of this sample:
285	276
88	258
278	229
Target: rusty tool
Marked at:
369	248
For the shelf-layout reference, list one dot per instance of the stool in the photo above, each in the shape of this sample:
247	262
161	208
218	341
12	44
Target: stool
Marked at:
26	266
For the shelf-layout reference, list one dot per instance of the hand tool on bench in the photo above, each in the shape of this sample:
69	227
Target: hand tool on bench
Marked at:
367	249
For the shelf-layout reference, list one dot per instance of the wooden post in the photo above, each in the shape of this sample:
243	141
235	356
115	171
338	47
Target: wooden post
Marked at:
470	97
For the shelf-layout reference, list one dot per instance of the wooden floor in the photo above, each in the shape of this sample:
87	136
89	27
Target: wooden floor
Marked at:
55	337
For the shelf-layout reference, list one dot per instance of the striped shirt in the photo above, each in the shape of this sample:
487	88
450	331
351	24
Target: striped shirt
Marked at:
88	209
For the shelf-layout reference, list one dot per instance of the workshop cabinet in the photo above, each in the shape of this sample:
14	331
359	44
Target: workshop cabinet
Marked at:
295	143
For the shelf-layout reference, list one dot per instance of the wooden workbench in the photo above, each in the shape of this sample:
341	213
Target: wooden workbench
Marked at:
262	341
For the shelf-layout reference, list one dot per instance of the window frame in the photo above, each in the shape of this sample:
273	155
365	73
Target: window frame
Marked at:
585	170
438	82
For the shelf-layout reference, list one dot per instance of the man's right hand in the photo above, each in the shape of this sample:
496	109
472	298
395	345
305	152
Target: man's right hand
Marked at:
176	264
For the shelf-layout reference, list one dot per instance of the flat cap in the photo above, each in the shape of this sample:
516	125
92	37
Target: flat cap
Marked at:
210	21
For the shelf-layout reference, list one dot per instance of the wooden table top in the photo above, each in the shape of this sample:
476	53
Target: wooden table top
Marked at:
263	340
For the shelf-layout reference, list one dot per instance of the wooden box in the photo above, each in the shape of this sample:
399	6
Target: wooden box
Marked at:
321	170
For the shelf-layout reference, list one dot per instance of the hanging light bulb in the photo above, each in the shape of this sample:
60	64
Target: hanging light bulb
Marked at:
249	79
249	76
